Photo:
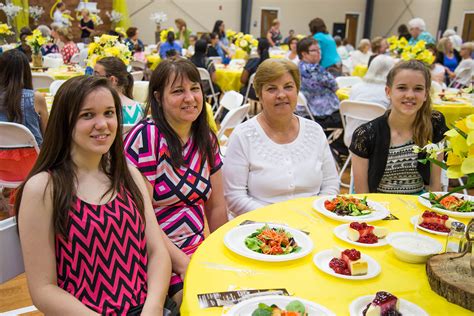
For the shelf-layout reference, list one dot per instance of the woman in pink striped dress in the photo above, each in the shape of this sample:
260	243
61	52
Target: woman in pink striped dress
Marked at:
90	241
179	156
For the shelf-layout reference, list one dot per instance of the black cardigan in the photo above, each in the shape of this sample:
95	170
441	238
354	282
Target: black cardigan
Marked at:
372	141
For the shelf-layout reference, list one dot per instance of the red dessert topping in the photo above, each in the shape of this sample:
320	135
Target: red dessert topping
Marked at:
365	232
434	221
387	303
339	266
351	254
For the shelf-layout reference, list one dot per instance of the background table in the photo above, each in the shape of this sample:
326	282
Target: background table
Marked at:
301	277
228	78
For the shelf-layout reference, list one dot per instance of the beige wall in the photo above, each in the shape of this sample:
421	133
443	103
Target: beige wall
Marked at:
456	14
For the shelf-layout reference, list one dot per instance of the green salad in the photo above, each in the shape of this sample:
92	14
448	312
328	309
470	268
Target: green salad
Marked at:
272	241
294	308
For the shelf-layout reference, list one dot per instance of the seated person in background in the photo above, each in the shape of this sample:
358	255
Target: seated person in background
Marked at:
372	89
347	45
192	42
23	46
291	34
132	39
200	60
183	32
19	103
276	155
170	43
362	54
379	46
462	78
417	29
438	72
341	49
121	80
251	67
216	48
447	56
274	33
318	86
383	158
139	54
292	54
69	48
50	47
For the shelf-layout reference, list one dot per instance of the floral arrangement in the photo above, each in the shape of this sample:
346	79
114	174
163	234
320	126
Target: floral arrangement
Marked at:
114	16
96	19
459	150
36	40
164	34
158	17
245	41
10	10
121	31
5	30
400	47
108	46
35	12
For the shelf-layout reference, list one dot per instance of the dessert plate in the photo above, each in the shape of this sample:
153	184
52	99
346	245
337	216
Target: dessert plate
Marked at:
247	307
379	213
235	241
406	308
341	233
426	203
414	221
322	259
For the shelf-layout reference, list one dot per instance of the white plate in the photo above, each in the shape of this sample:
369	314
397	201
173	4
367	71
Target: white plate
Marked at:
341	233
322	259
427	204
247	307
406	308
235	241
414	221
379	213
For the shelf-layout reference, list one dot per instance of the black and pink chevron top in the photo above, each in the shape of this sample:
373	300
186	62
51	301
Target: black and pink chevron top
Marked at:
104	262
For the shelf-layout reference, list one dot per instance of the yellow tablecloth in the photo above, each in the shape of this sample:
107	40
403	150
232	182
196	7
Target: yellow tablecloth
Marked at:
301	277
64	73
359	70
228	79
451	112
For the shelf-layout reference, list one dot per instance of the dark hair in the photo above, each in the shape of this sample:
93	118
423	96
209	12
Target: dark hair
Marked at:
15	75
60	5
113	66
172	53
402	29
137	48
422	127
214	35
55	155
262	49
216	30
170	37
317	25
200	53
114	33
181	23
304	45
131	31
293	39
170	71
25	31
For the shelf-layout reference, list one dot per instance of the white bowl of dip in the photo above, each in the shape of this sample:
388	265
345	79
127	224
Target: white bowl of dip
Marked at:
413	247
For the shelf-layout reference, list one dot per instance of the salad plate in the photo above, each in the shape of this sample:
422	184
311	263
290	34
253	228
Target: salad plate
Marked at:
406	308
322	259
341	233
242	239
359	210
247	307
414	221
456	205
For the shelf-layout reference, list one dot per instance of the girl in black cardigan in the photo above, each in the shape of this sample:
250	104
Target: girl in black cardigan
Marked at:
382	156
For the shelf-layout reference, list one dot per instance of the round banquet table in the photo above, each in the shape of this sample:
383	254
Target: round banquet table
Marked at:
211	267
228	78
451	111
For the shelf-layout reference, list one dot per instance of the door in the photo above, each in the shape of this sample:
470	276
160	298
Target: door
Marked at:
468	27
352	20
266	19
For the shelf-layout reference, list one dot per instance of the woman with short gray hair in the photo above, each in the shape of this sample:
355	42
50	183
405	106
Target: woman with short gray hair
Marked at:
417	28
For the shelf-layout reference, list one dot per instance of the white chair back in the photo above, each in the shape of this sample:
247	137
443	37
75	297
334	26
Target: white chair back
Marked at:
437	87
137	65
76	58
358	110
41	80
348	81
233	118
83	54
137	75
304	103
52	61
464	77
80	46
230	100
250	84
54	87
234	63
216	59
140	91
205	76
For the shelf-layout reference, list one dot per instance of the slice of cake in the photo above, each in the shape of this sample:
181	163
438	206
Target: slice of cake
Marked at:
363	233
384	304
348	262
434	221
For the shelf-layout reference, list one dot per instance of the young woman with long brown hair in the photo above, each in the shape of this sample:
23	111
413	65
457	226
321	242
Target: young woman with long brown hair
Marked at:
383	158
89	239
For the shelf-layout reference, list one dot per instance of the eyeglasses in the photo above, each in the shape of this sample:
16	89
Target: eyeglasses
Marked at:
314	50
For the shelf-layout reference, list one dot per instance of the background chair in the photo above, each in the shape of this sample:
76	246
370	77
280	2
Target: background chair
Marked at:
230	100
76	58
140	91
232	119
55	85
137	75
250	84
137	65
41	80
348	81
205	76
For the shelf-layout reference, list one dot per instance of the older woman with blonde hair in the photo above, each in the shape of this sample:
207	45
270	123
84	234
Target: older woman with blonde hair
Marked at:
362	54
274	36
277	155
69	48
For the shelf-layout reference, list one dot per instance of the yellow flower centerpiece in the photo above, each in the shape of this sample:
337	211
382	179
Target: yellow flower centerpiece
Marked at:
5	31
400	48
107	46
36	41
164	34
245	42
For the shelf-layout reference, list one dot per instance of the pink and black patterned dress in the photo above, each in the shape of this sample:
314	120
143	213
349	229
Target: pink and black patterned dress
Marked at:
178	194
104	261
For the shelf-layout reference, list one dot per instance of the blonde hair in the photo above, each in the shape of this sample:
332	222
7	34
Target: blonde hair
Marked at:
66	32
275	22
422	126
272	69
363	42
469	46
442	44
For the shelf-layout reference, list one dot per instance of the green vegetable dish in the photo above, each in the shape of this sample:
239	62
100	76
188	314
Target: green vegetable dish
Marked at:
294	308
272	241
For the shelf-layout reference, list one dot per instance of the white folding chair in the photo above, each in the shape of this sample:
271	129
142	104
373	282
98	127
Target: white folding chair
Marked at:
361	111
205	76
15	136
250	84
232	119
75	59
347	81
137	65
230	100
41	80
83	54
55	85
464	76
140	91
216	59
137	75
